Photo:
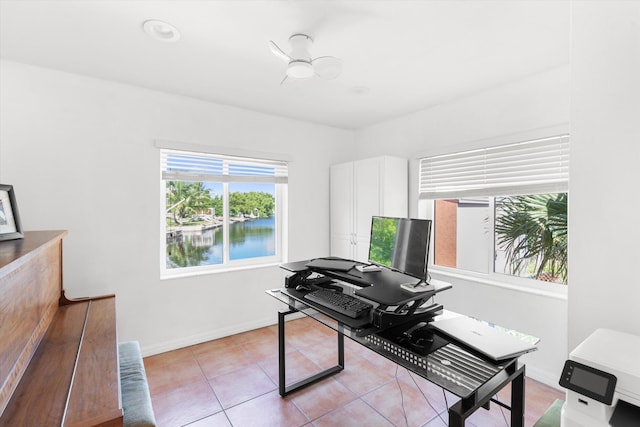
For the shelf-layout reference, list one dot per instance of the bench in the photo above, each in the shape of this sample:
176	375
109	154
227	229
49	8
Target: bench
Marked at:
136	400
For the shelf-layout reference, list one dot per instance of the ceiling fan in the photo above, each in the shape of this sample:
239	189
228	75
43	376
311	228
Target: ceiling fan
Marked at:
300	65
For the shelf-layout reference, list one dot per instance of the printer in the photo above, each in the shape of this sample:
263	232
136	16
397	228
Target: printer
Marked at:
602	378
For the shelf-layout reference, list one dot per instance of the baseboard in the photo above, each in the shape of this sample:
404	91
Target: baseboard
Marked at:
210	335
545	377
204	337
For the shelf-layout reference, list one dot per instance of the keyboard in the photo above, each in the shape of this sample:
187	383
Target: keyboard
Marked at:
337	301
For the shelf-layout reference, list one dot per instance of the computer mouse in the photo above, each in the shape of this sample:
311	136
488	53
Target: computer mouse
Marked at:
303	287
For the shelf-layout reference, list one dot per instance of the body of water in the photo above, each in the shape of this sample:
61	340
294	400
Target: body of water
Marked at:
248	239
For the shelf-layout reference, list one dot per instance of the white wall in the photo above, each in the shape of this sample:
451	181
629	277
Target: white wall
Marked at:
533	107
600	96
80	154
605	168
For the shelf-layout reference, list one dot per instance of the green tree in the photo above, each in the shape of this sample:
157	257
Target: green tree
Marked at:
185	199
253	202
383	240
216	204
533	228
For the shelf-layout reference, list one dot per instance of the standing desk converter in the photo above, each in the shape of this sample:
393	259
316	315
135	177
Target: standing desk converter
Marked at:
446	363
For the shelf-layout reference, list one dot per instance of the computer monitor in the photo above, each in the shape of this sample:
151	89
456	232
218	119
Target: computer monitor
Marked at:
401	244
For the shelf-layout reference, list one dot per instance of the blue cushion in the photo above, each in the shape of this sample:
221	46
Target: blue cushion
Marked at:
136	400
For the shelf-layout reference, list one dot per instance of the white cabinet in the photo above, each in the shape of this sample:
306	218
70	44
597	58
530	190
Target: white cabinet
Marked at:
360	190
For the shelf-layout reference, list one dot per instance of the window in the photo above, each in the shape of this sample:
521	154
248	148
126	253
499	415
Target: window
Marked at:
220	212
501	211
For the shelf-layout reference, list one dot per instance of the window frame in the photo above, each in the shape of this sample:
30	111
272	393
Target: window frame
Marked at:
280	182
426	209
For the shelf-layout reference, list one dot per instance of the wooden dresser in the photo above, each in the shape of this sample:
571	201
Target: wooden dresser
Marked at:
58	357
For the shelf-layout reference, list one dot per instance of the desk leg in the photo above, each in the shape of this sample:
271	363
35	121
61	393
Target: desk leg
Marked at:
464	408
340	346
517	400
281	351
282	380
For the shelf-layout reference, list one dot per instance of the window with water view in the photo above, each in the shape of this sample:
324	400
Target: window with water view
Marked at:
221	211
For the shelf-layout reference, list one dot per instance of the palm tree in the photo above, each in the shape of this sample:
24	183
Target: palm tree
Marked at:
533	228
185	199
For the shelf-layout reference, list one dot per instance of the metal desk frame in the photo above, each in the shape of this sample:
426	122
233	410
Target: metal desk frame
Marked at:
458	412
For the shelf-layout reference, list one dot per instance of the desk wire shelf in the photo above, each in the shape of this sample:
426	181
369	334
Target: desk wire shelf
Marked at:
450	366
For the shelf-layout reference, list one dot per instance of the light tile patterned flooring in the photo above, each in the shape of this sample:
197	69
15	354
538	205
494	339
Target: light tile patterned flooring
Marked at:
233	381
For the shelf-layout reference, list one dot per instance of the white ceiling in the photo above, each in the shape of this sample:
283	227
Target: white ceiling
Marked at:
409	55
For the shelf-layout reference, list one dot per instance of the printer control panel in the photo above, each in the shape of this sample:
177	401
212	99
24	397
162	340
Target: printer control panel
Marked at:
588	381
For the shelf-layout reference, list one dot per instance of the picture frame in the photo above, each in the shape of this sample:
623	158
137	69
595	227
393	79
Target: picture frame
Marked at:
10	225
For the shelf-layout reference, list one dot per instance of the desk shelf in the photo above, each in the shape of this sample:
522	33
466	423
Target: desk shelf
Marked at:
470	376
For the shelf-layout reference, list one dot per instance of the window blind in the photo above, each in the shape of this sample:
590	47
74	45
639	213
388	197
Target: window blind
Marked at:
203	167
537	166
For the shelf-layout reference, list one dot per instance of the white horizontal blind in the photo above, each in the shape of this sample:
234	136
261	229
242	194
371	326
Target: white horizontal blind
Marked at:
538	166
202	167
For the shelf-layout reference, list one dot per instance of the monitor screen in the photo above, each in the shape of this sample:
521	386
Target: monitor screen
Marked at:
401	244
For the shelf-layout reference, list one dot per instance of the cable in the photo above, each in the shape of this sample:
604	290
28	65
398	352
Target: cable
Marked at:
404	411
502	410
446	402
427	399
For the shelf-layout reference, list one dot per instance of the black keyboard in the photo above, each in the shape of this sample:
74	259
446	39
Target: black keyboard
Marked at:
337	301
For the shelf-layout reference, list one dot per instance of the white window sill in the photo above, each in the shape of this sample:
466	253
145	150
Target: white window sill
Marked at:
224	269
550	290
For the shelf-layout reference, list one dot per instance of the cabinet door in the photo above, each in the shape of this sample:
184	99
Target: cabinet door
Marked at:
341	210
342	246
393	187
367	203
361	248
360	190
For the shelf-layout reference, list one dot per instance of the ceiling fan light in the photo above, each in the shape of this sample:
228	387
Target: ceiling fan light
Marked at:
300	70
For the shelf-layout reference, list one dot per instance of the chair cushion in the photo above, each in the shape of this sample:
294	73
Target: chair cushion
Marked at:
136	400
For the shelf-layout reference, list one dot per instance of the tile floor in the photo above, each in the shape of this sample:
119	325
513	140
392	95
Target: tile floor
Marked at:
233	381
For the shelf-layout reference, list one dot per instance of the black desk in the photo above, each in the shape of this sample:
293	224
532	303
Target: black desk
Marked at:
450	365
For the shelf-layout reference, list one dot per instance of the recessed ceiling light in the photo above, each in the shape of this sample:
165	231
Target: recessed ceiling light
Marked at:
359	90
162	31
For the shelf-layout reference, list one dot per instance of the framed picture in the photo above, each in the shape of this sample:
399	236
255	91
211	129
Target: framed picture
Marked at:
10	226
